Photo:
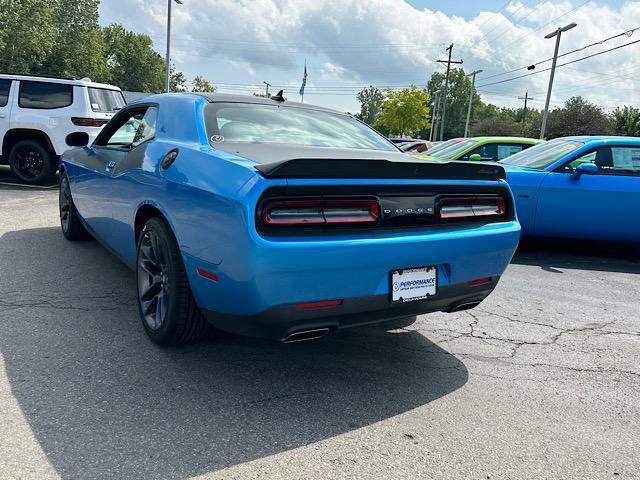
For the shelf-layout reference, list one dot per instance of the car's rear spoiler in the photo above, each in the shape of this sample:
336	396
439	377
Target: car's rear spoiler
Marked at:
376	168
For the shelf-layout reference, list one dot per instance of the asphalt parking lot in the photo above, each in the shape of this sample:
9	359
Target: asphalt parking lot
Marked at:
540	381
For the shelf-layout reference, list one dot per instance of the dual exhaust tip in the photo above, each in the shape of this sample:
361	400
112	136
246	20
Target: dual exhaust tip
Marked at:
316	333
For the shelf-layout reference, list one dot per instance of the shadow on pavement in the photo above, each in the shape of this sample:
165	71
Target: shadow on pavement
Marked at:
104	402
555	254
8	180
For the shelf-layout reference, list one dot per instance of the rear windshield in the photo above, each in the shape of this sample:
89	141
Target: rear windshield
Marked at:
104	100
270	124
541	156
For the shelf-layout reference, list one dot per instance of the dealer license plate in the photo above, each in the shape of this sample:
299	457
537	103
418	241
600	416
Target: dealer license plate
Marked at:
413	284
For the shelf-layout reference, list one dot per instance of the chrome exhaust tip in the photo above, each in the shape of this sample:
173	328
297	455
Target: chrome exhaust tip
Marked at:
304	335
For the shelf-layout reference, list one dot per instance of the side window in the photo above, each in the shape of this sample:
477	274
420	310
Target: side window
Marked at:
507	149
44	95
609	160
5	86
488	152
135	129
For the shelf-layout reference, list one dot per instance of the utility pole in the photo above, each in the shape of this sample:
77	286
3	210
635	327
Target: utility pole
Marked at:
471	92
434	117
524	112
168	66
446	87
556	33
267	91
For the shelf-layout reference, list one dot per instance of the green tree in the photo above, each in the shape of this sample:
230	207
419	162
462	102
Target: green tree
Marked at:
626	121
79	49
27	34
177	80
201	84
404	112
457	100
371	99
133	63
578	117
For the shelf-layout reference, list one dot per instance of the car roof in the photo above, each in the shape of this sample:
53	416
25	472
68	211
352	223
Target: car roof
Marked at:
507	139
84	82
231	98
600	138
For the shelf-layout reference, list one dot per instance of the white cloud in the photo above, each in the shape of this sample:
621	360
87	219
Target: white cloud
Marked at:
388	42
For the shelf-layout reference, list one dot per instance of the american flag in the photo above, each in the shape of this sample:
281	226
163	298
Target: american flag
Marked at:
304	80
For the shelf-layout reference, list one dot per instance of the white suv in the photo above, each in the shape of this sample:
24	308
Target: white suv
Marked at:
37	113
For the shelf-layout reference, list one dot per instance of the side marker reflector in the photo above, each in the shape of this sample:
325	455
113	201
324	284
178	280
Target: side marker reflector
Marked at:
208	275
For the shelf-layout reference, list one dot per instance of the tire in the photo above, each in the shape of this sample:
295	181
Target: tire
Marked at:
72	227
167	309
31	162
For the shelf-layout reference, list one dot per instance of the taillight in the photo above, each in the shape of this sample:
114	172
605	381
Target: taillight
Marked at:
465	207
319	212
88	122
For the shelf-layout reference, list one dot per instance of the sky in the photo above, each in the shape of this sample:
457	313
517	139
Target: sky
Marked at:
350	44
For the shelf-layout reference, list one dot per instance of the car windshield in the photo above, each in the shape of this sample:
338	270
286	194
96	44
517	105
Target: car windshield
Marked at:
541	156
452	151
443	145
270	124
105	100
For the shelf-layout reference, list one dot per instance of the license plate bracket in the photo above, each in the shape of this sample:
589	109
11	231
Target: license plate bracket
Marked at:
412	284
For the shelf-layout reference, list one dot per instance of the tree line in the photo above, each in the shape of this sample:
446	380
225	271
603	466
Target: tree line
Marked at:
62	38
408	112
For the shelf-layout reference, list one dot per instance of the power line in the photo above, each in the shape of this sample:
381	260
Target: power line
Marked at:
561	65
628	33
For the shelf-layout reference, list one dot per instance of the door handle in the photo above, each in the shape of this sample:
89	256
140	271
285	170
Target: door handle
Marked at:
2	115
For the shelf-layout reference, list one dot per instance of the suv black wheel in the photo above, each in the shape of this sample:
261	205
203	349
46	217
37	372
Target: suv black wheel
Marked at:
72	227
166	305
31	162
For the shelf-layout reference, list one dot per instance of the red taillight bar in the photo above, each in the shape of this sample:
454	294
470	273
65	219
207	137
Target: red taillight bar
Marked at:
465	207
88	122
319	212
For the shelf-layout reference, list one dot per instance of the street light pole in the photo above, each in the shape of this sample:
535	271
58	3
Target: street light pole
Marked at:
266	93
471	91
434	117
556	33
167	66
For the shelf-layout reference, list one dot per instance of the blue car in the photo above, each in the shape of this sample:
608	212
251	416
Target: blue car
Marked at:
578	187
275	219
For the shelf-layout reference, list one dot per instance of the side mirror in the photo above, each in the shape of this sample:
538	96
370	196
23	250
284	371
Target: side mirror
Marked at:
584	169
475	158
77	139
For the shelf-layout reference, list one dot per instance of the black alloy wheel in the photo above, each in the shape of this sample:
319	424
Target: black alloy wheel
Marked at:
168	311
31	162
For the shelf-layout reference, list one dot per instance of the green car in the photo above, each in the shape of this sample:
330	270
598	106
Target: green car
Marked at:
486	149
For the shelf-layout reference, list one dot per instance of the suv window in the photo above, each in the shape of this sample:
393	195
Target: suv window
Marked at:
609	160
44	95
5	86
132	130
105	100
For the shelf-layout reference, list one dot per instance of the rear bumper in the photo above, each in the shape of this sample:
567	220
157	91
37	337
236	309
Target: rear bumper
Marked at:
279	323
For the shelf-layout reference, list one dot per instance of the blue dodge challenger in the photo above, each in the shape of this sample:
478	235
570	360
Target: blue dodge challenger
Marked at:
275	219
578	187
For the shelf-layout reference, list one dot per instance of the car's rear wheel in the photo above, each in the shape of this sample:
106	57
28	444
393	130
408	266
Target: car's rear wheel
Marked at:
72	227
167	308
31	162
